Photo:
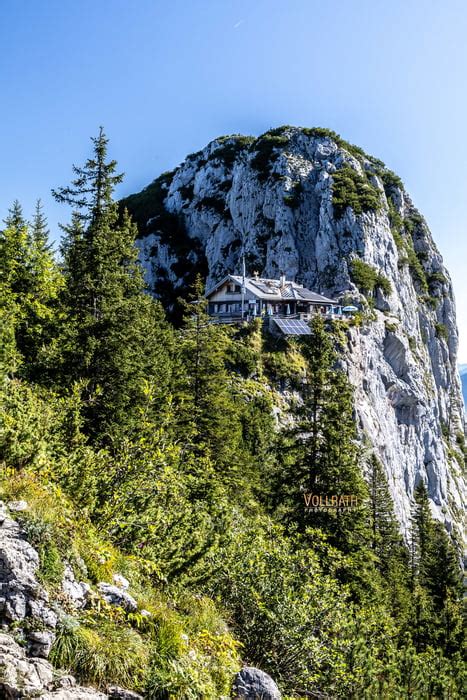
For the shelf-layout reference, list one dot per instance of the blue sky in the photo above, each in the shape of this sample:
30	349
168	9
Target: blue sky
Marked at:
164	78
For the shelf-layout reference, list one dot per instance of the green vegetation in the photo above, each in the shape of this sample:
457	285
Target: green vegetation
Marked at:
294	198
319	132
230	147
217	204
169	455
266	149
149	214
149	204
402	231
367	278
350	189
441	331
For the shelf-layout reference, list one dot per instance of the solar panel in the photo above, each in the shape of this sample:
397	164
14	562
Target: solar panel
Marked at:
292	326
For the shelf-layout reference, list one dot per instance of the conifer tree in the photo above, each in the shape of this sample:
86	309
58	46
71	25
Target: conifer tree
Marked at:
115	339
323	457
9	357
386	540
208	415
32	281
39	228
422	533
15	217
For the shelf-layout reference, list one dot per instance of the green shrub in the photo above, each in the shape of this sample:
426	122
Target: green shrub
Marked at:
215	203
25	425
416	268
350	189
186	192
390	180
266	151
319	132
407	254
191	666
391	327
230	147
294	197
434	277
383	283
367	278
149	203
441	331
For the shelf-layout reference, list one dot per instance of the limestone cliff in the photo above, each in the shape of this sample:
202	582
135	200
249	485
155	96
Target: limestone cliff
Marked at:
305	203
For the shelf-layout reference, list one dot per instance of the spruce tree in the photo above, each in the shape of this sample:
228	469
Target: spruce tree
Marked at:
9	356
208	416
422	533
31	279
386	540
39	228
15	217
115	340
323	455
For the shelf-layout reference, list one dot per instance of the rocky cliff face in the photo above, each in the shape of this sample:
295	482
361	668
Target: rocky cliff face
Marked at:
304	203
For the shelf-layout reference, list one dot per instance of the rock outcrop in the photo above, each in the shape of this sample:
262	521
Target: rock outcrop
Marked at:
29	617
22	599
304	203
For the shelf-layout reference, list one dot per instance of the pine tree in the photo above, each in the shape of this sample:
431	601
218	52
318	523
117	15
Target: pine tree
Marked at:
438	580
386	540
9	356
422	533
15	217
39	228
31	279
323	453
209	418
115	339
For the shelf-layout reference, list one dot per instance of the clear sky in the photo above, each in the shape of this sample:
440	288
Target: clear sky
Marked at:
164	77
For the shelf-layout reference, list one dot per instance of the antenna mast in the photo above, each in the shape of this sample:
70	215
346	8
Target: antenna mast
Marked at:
243	284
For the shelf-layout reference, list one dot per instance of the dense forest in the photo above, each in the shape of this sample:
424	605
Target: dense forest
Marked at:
178	456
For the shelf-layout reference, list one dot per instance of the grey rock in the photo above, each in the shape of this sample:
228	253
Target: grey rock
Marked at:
40	643
74	694
65	682
78	593
31	677
117	693
21	596
253	684
21	677
121	581
116	596
17	506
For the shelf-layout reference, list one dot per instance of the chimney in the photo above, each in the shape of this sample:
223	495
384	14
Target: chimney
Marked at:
282	282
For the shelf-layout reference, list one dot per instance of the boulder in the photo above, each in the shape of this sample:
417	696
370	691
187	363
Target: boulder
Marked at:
116	596
253	684
121	581
17	506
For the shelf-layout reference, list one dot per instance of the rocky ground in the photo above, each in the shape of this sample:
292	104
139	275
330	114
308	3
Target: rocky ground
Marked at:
28	618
